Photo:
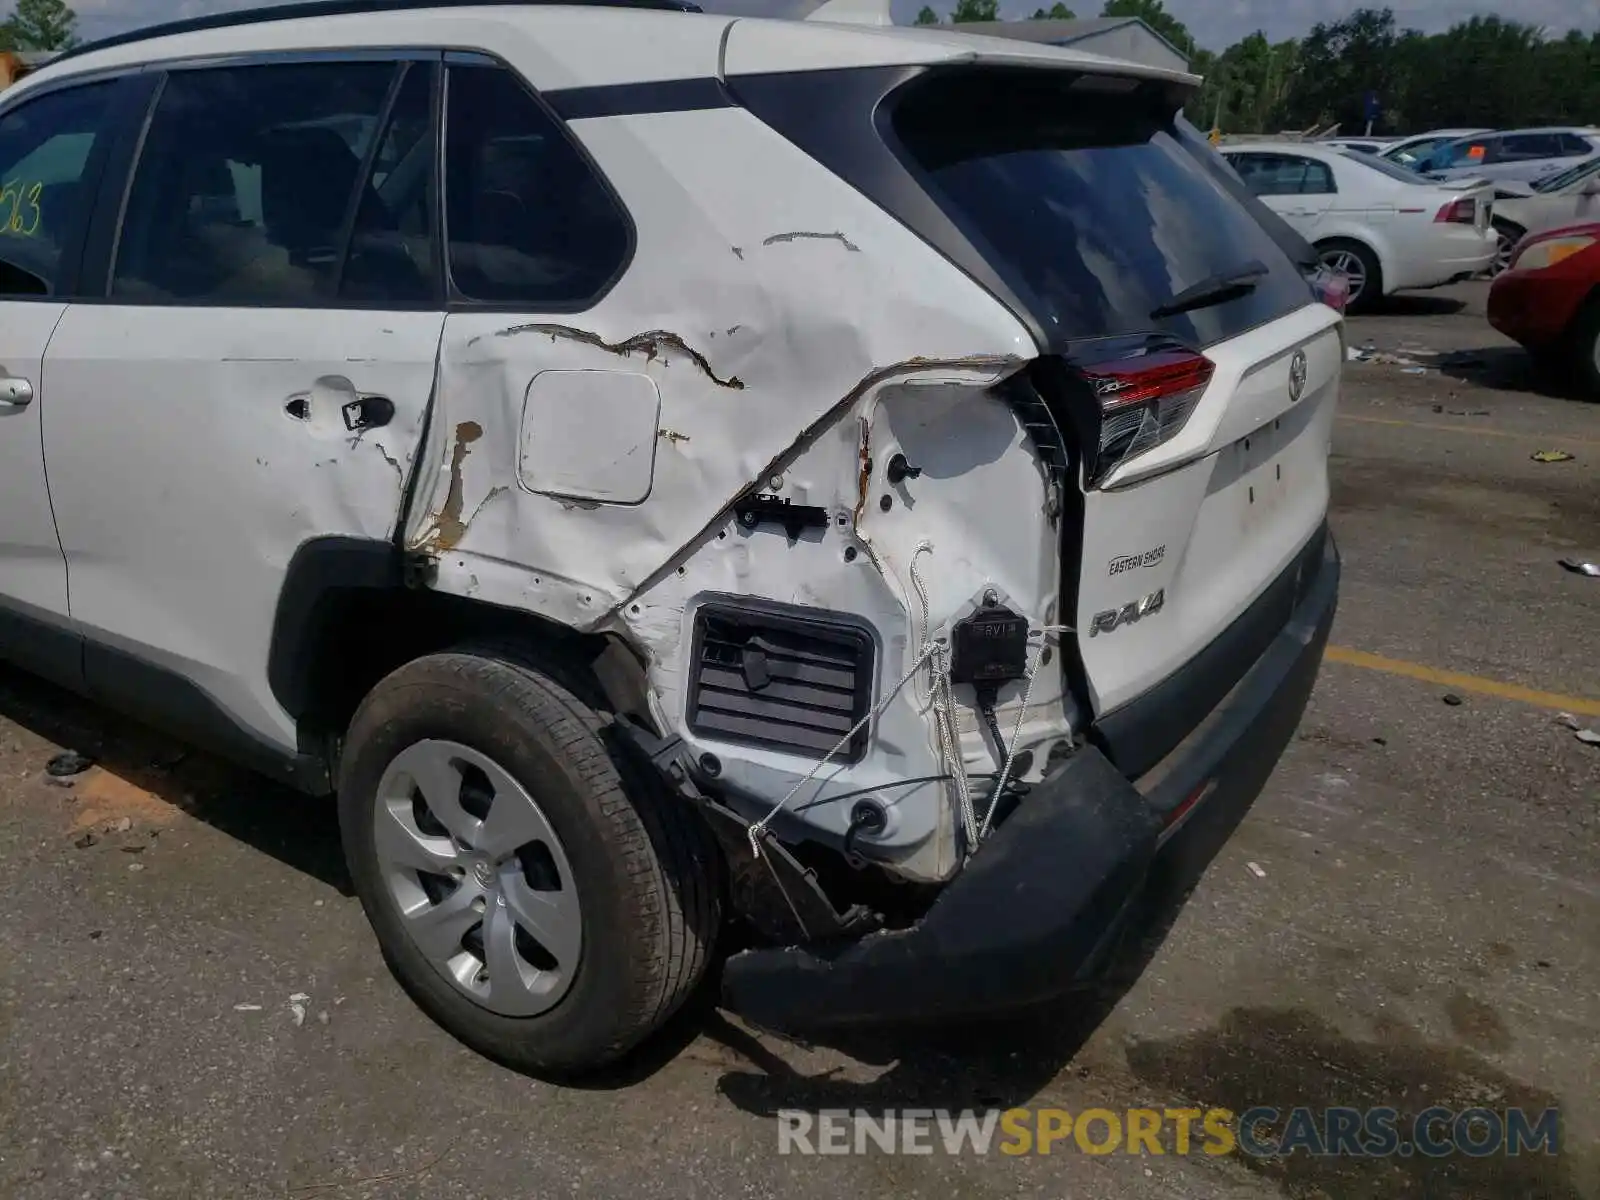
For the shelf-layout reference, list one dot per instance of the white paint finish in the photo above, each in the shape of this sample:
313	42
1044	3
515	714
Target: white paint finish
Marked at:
854	12
563	46
182	486
1573	203
756	46
32	571
590	435
776	276
1227	523
779	278
1392	217
1243	391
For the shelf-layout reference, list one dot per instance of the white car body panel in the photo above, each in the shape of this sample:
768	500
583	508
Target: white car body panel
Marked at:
1244	483
775	329
770	307
756	46
1577	202
1394	219
182	484
564	47
30	556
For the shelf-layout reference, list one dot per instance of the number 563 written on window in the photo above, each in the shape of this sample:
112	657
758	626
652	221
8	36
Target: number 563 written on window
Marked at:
19	207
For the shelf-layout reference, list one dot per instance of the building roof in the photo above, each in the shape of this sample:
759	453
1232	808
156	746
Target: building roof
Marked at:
1059	33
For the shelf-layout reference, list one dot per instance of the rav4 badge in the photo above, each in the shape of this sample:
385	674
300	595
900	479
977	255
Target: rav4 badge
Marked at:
1115	618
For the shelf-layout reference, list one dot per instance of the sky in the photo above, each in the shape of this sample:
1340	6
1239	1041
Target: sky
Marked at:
1216	24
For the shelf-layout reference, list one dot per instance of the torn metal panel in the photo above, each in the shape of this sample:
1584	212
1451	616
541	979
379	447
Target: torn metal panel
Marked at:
828	364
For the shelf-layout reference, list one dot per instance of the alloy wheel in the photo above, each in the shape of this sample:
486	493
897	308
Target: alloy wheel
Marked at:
479	877
1349	263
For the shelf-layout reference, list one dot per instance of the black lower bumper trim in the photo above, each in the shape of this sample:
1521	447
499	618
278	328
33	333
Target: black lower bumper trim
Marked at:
1034	911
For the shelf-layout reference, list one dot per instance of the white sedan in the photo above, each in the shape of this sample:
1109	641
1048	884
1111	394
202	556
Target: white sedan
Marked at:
1569	198
1385	227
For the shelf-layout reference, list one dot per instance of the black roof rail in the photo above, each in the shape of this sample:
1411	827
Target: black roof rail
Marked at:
340	8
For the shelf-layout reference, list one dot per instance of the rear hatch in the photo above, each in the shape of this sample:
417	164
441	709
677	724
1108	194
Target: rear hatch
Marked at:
1184	358
1186	353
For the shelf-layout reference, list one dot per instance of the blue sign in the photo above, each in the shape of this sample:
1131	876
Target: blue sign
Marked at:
1373	107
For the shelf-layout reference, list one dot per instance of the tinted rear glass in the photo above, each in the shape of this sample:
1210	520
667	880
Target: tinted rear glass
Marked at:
1097	212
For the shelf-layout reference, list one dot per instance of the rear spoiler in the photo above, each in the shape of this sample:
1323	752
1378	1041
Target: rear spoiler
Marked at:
853	12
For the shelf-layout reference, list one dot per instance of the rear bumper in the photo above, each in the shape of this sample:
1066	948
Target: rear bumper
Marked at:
1035	911
1457	263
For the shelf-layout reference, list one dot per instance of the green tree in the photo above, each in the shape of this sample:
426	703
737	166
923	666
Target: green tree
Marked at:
927	16
1340	63
1057	12
1154	14
976	10
40	25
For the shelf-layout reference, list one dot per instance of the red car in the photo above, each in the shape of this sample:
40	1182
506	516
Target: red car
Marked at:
1549	299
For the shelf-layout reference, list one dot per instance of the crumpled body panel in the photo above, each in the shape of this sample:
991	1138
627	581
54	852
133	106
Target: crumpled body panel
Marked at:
798	338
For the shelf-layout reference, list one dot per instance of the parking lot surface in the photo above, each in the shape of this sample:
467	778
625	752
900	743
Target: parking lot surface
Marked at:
191	1004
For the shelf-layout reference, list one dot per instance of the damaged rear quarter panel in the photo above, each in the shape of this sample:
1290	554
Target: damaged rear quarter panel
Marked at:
791	328
750	352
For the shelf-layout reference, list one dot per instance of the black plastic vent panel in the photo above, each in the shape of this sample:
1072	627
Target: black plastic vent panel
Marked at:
792	683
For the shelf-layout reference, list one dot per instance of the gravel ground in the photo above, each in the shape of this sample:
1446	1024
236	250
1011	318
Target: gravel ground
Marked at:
1425	923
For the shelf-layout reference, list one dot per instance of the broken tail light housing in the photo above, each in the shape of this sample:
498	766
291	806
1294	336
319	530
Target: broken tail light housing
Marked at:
1143	394
1330	287
1458	212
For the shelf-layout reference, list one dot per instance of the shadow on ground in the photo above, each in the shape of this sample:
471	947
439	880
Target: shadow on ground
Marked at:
1417	304
1510	369
300	831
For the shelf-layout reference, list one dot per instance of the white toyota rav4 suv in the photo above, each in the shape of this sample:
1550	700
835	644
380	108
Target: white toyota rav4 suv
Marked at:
858	494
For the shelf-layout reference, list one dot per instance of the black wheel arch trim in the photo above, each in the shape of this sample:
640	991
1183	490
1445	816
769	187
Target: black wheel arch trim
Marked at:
321	572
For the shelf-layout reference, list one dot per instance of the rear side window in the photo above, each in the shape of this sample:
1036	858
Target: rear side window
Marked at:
1524	146
528	220
252	178
1572	144
1088	205
45	146
1284	175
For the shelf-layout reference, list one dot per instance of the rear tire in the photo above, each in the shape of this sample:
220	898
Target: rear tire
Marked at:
1360	265
597	891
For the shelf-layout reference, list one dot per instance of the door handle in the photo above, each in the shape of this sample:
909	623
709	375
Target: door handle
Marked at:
14	392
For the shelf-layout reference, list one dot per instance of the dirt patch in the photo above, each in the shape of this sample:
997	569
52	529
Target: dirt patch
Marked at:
104	798
1475	1023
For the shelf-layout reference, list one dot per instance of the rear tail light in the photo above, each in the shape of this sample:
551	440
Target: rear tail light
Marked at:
1144	398
1331	287
1458	212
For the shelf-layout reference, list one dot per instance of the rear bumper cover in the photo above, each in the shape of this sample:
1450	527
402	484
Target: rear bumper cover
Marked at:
1033	913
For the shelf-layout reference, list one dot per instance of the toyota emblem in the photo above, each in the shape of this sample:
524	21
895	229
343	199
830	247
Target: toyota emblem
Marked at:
1297	375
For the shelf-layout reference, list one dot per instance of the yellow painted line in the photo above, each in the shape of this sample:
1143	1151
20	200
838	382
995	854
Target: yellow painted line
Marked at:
1577	705
1555	439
